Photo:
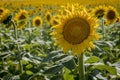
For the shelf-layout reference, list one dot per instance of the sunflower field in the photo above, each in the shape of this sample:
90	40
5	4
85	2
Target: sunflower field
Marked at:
59	39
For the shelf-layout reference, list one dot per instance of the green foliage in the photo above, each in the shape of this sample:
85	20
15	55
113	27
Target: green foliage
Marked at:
29	72
92	59
110	69
67	74
33	55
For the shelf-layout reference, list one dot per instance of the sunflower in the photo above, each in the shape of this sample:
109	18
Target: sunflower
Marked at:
75	31
21	19
32	12
37	21
111	15
99	11
48	16
54	20
4	16
118	19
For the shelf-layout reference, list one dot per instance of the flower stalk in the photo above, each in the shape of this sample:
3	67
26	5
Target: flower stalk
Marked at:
0	40
15	29
81	68
29	32
18	49
103	28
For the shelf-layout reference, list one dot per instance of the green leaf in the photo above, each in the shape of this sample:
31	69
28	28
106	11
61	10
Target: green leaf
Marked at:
110	44
24	62
29	72
29	66
116	64
53	69
70	64
67	74
92	59
110	69
63	59
26	46
59	57
3	54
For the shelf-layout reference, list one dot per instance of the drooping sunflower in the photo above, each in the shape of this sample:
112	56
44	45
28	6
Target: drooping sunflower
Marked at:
37	21
4	15
21	19
48	16
75	32
54	20
111	15
99	11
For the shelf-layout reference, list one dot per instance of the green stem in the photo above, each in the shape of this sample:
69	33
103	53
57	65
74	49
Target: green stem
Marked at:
19	55
20	60
103	28
15	29
0	40
29	32
21	66
81	67
3	63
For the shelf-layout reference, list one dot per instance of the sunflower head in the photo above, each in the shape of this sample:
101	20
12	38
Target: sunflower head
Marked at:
48	16
75	31
21	18
54	20
31	12
5	16
99	11
111	14
37	21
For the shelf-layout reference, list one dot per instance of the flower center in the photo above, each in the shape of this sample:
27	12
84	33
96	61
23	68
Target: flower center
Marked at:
22	17
48	17
111	15
76	30
37	22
